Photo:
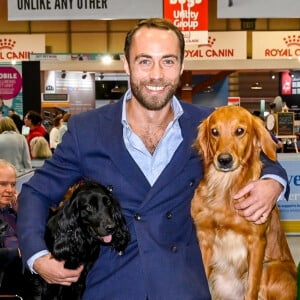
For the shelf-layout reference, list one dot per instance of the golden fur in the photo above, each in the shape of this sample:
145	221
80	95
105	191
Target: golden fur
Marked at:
242	260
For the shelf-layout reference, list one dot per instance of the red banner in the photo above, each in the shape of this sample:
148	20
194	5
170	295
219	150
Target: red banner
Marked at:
286	83
191	17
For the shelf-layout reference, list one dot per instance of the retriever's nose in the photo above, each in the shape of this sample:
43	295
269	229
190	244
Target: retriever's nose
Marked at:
225	160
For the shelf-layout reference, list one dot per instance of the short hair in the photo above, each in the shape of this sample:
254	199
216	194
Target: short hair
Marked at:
7	124
5	163
34	117
158	23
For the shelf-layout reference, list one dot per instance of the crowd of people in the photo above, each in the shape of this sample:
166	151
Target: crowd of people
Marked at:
25	144
141	148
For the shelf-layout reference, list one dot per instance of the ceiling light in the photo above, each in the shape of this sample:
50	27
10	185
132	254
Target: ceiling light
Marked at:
116	89
256	86
187	87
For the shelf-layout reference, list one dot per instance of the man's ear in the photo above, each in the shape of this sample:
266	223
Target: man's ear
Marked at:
182	69
126	66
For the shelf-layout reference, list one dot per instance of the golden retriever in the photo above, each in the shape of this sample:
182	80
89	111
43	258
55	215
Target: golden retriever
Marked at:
242	260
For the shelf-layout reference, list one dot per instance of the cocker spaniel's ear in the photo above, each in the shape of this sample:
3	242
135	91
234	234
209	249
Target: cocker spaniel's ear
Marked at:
122	236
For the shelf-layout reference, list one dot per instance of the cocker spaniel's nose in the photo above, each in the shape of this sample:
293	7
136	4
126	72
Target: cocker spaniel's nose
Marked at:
110	228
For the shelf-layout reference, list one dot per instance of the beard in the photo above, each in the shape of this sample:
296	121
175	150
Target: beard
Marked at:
153	102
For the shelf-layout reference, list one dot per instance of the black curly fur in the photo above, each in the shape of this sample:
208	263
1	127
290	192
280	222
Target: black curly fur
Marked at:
73	234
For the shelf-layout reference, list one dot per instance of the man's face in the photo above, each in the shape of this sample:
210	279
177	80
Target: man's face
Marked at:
7	186
154	67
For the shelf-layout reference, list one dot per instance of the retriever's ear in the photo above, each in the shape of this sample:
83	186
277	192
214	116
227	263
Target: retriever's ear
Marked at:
201	143
263	139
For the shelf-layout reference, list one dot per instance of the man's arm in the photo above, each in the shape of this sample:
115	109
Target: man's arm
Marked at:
256	200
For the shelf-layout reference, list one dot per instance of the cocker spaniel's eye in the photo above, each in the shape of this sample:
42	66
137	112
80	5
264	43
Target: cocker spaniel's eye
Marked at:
89	207
214	132
239	131
107	201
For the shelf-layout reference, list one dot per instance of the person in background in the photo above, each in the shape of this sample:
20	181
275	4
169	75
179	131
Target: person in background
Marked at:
13	145
141	149
16	118
64	126
3	108
40	151
54	132
273	136
33	120
10	261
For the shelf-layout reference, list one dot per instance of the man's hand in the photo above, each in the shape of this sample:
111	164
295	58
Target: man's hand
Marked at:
256	200
53	271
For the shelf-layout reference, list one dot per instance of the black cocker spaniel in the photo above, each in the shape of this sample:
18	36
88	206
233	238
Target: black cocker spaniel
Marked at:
90	218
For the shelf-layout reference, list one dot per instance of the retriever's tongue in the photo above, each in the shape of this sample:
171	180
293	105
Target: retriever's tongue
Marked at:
107	238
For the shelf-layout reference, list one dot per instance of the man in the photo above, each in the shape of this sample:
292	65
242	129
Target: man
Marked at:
10	262
140	147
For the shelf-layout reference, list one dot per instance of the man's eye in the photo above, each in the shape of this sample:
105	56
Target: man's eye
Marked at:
144	62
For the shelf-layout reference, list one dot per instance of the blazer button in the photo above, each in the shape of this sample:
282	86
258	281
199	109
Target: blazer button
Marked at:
169	215
137	217
192	183
174	249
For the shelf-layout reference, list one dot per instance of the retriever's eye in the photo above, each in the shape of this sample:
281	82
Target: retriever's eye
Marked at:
239	131
215	132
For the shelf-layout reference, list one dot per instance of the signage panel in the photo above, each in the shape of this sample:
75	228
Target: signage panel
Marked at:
83	9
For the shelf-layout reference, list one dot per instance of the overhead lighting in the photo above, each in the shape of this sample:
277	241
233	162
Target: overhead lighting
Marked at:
187	87
256	86
107	59
208	89
116	89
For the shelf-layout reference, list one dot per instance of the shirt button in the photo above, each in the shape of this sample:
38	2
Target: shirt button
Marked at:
169	215
174	249
137	217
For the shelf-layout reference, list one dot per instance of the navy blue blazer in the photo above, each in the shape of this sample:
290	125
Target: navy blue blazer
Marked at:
163	259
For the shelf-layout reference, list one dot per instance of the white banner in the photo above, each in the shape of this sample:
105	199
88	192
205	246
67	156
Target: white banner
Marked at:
18	47
83	9
220	45
258	9
275	44
290	210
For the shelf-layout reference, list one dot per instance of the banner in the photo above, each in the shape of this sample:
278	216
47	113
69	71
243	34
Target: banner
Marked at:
83	9
220	45
275	44
191	17
290	210
258	9
18	47
11	84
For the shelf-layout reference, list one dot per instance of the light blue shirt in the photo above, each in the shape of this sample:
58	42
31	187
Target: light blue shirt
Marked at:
153	164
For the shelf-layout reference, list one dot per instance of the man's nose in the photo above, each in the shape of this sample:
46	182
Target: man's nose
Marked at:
156	71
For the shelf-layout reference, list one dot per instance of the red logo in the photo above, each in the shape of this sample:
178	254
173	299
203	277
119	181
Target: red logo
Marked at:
7	43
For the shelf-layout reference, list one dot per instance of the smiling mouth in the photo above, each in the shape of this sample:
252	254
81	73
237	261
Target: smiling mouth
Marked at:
155	88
